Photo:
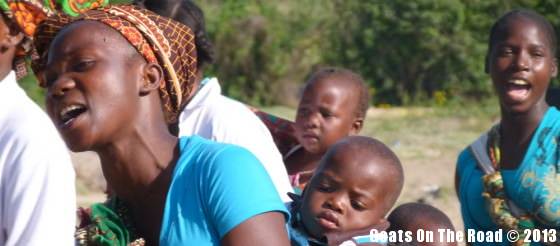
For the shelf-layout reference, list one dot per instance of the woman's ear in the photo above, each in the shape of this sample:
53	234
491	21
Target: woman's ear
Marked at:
11	40
152	78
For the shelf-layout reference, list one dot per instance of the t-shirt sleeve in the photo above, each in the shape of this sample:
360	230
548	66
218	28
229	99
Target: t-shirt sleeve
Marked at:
237	189
39	194
463	161
465	165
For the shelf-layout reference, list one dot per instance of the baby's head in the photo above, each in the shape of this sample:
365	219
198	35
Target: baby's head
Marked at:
357	182
333	106
415	216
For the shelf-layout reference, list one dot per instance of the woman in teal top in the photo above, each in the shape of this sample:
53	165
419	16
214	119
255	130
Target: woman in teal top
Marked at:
507	178
116	79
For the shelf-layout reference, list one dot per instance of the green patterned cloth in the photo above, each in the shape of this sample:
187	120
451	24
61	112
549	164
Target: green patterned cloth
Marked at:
106	224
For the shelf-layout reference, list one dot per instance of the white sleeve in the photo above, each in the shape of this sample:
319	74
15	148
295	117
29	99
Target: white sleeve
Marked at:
38	192
238	125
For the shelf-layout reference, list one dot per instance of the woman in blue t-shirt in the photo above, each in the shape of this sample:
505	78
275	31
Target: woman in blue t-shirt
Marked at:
508	178
109	74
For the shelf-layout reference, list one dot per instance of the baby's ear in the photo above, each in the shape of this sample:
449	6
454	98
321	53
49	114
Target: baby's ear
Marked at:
357	125
152	78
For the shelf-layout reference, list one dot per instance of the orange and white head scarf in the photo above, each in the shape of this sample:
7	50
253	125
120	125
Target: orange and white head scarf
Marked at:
157	38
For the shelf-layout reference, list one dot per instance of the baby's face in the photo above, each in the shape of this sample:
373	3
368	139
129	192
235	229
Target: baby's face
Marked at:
326	114
346	193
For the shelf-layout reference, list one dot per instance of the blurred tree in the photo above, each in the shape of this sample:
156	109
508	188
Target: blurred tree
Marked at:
264	46
408	51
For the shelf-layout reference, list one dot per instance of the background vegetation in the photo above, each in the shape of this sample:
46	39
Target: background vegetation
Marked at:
410	52
421	52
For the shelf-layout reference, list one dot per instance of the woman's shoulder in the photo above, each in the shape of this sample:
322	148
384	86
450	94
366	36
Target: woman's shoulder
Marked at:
467	159
210	154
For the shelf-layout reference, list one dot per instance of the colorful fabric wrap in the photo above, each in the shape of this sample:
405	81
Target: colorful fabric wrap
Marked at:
158	39
537	191
106	224
282	130
27	14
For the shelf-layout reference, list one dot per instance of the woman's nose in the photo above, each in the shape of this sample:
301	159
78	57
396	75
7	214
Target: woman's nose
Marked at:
522	61
60	86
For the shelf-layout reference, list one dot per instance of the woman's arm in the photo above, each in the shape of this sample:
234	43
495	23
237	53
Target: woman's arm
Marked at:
263	229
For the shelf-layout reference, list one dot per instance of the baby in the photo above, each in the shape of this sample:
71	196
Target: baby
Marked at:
412	217
355	185
333	106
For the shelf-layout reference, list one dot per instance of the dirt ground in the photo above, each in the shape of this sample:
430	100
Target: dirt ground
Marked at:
427	141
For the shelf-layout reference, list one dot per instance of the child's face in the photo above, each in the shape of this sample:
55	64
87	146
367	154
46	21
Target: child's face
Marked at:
521	65
90	95
326	114
345	194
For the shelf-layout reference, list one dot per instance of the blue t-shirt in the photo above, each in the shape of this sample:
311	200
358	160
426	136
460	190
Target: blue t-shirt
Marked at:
215	187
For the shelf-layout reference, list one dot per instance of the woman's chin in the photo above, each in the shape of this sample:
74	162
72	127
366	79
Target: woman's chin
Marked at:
77	145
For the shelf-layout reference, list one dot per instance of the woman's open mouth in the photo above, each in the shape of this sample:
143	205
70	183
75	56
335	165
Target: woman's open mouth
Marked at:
69	114
517	90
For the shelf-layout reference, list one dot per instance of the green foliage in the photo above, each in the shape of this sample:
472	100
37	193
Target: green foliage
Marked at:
408	51
31	87
262	45
422	52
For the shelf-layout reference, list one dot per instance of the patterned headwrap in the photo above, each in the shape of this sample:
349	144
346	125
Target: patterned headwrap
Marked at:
158	39
27	14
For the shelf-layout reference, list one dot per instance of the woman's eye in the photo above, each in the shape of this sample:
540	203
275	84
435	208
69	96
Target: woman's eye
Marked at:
82	66
505	52
47	79
538	54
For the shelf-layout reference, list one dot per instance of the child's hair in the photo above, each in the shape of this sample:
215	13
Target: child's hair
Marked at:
348	77
373	148
188	13
501	25
411	214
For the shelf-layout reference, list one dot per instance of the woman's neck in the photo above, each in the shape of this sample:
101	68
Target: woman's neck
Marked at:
520	126
516	133
140	164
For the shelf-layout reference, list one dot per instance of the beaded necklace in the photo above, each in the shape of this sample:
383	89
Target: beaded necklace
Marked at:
495	196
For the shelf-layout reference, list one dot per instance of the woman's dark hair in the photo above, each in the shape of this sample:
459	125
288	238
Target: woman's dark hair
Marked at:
186	12
501	26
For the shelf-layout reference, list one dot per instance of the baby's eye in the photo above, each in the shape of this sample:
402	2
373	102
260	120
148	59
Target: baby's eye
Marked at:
326	114
324	187
358	205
